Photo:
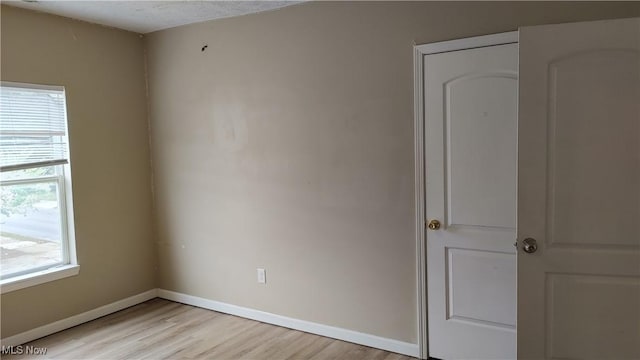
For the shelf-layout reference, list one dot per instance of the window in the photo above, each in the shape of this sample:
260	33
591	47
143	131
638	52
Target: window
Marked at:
36	219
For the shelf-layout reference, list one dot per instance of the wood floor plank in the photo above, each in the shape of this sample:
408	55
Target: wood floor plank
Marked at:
162	329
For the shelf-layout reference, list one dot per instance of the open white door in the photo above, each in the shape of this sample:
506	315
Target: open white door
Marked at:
470	99
579	191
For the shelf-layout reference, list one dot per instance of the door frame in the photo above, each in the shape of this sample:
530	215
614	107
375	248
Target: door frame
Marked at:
420	51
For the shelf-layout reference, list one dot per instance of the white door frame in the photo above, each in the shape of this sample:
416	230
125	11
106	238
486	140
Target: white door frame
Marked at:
419	145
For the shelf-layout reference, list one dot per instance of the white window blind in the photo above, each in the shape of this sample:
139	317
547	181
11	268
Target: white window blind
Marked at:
33	129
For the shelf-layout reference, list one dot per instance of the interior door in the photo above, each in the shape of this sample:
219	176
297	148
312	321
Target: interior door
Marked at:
470	171
579	191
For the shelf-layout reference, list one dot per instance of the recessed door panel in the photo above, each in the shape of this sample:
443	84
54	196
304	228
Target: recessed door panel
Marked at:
476	290
594	170
585	306
481	171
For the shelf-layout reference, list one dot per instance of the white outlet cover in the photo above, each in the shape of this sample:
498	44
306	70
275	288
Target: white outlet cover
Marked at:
262	276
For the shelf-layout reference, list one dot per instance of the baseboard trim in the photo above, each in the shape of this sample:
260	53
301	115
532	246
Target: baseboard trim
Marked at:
75	320
296	324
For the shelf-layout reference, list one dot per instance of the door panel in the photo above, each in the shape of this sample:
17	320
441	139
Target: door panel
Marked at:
602	312
579	191
578	138
475	278
470	171
480	171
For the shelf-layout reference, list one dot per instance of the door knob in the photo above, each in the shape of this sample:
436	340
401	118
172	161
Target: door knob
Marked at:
434	225
529	245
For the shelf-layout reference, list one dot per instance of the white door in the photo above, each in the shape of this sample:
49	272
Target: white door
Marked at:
470	170
579	191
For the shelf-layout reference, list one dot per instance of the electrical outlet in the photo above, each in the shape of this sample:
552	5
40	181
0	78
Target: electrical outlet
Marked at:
262	276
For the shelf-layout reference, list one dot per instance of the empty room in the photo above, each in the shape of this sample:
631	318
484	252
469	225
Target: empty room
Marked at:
319	180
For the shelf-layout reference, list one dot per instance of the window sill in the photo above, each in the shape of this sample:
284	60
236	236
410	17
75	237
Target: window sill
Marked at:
37	278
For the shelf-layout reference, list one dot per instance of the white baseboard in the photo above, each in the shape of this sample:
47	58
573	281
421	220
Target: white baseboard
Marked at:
306	326
72	321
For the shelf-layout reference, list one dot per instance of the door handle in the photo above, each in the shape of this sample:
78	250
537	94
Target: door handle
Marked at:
434	225
529	245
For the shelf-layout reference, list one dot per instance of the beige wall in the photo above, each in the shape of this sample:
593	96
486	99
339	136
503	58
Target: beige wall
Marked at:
103	72
288	144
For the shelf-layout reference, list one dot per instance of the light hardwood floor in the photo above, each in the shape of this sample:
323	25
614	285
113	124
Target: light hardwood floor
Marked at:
161	329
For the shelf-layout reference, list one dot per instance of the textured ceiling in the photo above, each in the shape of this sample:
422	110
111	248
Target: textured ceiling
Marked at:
148	16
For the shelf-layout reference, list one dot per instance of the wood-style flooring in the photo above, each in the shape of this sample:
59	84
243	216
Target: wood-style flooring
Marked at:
161	329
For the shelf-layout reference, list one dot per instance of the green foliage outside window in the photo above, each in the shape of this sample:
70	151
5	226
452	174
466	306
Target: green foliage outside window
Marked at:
20	198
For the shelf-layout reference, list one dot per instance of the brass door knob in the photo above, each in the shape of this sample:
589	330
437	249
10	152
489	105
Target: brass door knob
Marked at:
434	225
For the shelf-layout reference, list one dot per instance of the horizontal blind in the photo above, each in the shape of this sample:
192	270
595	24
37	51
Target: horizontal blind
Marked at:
33	128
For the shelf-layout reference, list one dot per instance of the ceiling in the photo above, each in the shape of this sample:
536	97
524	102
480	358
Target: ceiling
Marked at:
148	16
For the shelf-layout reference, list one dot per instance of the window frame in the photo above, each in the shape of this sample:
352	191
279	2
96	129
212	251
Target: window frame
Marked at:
69	265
